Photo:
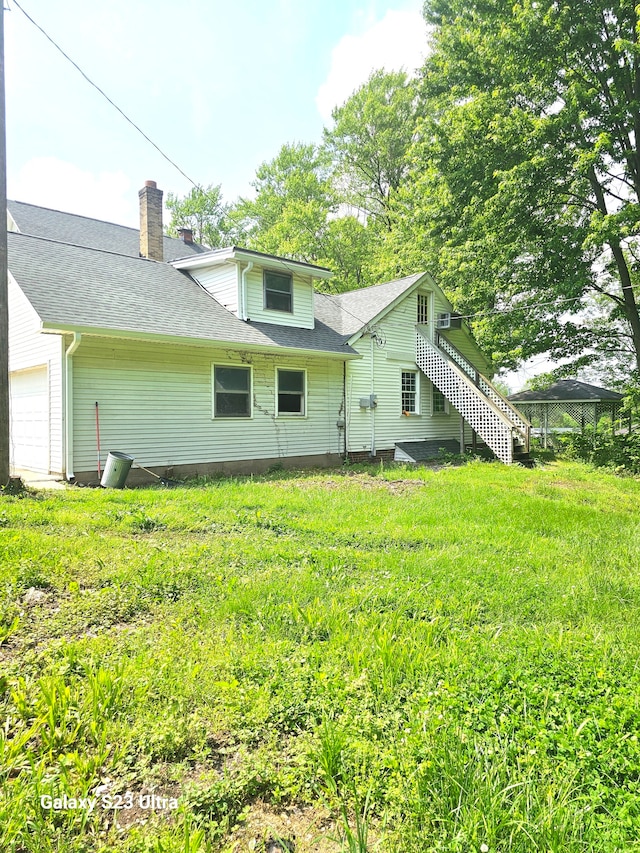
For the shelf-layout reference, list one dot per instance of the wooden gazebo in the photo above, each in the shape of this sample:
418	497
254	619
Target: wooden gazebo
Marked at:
584	403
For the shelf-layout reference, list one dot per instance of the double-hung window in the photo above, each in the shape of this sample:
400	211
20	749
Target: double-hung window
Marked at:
231	391
291	392
278	291
409	392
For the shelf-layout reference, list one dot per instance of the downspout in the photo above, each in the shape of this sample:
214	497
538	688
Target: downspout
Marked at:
344	405
68	406
372	399
242	313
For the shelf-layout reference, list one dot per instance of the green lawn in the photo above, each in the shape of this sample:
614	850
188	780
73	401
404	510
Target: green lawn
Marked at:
395	660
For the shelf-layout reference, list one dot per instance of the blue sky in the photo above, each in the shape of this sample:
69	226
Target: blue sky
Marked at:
218	86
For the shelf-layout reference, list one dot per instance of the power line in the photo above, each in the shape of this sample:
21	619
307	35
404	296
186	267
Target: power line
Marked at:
532	307
104	95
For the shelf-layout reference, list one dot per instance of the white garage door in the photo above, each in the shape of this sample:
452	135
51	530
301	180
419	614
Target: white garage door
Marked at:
29	408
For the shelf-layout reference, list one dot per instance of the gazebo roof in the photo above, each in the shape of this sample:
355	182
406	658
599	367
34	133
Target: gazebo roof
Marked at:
568	391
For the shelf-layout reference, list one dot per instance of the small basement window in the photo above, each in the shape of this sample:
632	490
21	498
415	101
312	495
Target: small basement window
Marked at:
439	404
291	392
409	387
278	291
231	392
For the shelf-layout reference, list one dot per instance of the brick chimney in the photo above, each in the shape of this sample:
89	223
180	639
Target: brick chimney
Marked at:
186	235
151	222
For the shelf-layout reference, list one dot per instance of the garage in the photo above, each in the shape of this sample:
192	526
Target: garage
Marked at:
29	411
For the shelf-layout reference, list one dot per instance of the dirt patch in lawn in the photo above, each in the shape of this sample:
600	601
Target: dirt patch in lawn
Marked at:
364	481
291	829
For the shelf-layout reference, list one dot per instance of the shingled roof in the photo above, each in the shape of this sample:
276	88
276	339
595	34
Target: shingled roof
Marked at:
79	288
82	273
349	312
92	233
567	390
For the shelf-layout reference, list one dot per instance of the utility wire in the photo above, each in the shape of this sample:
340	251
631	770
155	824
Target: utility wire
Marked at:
104	95
524	307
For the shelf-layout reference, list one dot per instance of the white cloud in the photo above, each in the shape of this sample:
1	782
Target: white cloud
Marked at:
398	41
50	182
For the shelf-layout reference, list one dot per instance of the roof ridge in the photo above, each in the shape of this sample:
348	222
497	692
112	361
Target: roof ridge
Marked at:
82	216
380	284
87	248
68	213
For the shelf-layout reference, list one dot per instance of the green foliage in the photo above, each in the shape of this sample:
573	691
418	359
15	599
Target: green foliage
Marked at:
618	452
295	213
292	202
369	143
524	194
204	212
328	204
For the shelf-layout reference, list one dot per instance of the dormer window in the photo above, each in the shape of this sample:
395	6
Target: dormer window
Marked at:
278	291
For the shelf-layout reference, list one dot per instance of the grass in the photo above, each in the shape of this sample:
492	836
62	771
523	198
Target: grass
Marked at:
363	660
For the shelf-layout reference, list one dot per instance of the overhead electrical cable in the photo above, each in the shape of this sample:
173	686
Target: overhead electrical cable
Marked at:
104	95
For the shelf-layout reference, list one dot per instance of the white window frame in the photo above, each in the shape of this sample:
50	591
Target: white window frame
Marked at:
297	415
445	411
426	297
281	274
218	417
416	410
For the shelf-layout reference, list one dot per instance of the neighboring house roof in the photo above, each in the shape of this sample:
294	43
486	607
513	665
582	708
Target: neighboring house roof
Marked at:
350	312
84	289
83	231
567	390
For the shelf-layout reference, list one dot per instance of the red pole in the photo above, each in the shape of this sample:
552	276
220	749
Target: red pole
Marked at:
98	440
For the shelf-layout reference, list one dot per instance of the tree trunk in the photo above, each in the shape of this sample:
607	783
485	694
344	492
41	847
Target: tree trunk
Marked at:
630	304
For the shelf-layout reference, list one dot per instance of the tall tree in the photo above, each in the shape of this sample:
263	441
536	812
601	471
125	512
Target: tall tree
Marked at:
293	199
295	212
525	193
368	144
203	211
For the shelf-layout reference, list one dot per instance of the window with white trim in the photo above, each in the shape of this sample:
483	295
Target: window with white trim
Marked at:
439	404
291	392
423	309
278	291
409	392
231	391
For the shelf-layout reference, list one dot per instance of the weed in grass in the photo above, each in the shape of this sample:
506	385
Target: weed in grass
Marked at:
8	630
329	754
354	834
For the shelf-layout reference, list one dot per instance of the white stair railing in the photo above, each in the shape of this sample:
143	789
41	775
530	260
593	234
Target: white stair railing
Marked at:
484	416
521	424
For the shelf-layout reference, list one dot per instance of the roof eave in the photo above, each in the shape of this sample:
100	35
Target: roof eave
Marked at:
125	334
394	302
235	255
567	400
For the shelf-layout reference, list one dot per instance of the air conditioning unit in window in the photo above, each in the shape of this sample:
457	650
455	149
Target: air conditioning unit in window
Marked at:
448	320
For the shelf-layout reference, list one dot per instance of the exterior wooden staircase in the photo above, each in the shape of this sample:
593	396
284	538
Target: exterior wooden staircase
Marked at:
494	419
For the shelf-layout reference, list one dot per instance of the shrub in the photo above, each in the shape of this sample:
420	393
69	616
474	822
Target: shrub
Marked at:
618	452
